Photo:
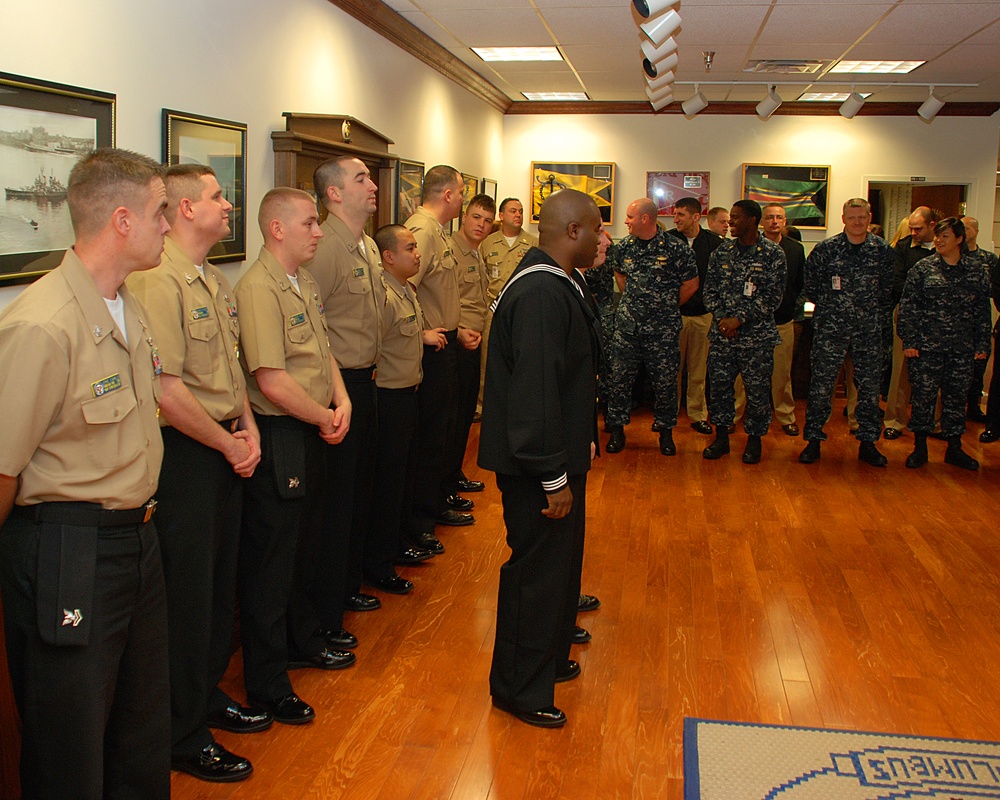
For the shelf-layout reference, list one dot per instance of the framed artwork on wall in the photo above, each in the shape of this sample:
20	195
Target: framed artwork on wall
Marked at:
471	189
666	188
802	190
44	129
409	188
595	179
221	145
489	187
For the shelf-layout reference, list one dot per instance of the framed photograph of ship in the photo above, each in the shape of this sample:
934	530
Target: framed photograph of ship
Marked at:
221	145
803	191
44	128
597	180
666	188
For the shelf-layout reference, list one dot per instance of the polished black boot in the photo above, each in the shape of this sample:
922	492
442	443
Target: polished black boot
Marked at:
751	453
918	457
719	447
957	457
617	441
868	452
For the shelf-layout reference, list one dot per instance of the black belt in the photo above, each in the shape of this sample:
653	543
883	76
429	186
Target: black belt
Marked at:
451	335
405	390
88	515
362	374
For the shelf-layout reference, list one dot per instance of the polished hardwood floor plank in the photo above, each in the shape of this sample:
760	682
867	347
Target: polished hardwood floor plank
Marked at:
829	595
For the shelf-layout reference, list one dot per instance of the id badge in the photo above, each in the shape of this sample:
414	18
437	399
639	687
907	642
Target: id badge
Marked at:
749	289
835	283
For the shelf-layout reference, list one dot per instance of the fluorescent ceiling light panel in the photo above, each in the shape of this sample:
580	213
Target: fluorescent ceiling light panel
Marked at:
555	95
828	97
876	67
518	53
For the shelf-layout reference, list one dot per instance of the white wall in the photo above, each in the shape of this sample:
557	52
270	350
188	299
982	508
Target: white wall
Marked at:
248	60
954	149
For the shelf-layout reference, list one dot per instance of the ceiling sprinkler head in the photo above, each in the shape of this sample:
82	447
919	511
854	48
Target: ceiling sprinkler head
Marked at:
709	55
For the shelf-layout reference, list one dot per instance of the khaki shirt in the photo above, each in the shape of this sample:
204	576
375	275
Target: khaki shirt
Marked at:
437	280
501	259
279	329
196	329
472	283
78	404
399	366
351	292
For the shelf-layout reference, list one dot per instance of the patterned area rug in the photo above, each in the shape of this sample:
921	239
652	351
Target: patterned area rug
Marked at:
738	761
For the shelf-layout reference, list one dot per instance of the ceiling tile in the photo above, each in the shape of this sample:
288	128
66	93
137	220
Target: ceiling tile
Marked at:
929	25
820	24
495	27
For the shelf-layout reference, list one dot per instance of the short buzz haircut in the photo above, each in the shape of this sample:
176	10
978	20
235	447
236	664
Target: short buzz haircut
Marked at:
689	204
183	181
714	211
858	202
930	215
275	204
387	237
749	207
772	205
104	180
330	173
439	179
506	200
483	201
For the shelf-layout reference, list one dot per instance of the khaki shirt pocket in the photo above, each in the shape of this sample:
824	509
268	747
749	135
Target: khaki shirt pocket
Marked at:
409	329
108	444
200	357
300	333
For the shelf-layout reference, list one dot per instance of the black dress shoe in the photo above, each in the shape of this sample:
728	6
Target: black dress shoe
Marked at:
465	485
658	426
580	635
550	717
288	710
810	454
413	555
701	426
568	671
341	640
428	541
588	602
392	585
891	433
617	441
458	503
361	602
667	446
216	764
324	659
990	435
869	453
239	719
791	429
454	519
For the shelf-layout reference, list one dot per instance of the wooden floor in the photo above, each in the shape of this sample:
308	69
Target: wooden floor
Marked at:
832	595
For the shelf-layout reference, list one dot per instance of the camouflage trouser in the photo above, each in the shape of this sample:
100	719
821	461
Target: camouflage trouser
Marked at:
826	358
949	372
755	363
661	356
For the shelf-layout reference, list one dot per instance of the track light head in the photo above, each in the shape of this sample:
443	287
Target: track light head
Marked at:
852	105
650	8
663	27
930	107
770	104
695	104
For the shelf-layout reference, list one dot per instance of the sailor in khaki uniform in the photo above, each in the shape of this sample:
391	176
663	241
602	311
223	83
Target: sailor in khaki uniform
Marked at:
398	378
83	597
437	291
292	379
211	443
346	267
502	252
472	283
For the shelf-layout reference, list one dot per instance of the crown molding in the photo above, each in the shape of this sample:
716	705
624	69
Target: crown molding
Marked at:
388	23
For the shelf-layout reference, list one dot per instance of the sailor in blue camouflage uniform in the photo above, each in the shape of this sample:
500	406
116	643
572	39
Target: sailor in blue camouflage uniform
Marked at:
744	285
600	279
660	275
849	278
944	323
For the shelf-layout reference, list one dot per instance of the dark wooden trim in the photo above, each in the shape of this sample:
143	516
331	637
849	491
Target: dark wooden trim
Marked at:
386	22
788	109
